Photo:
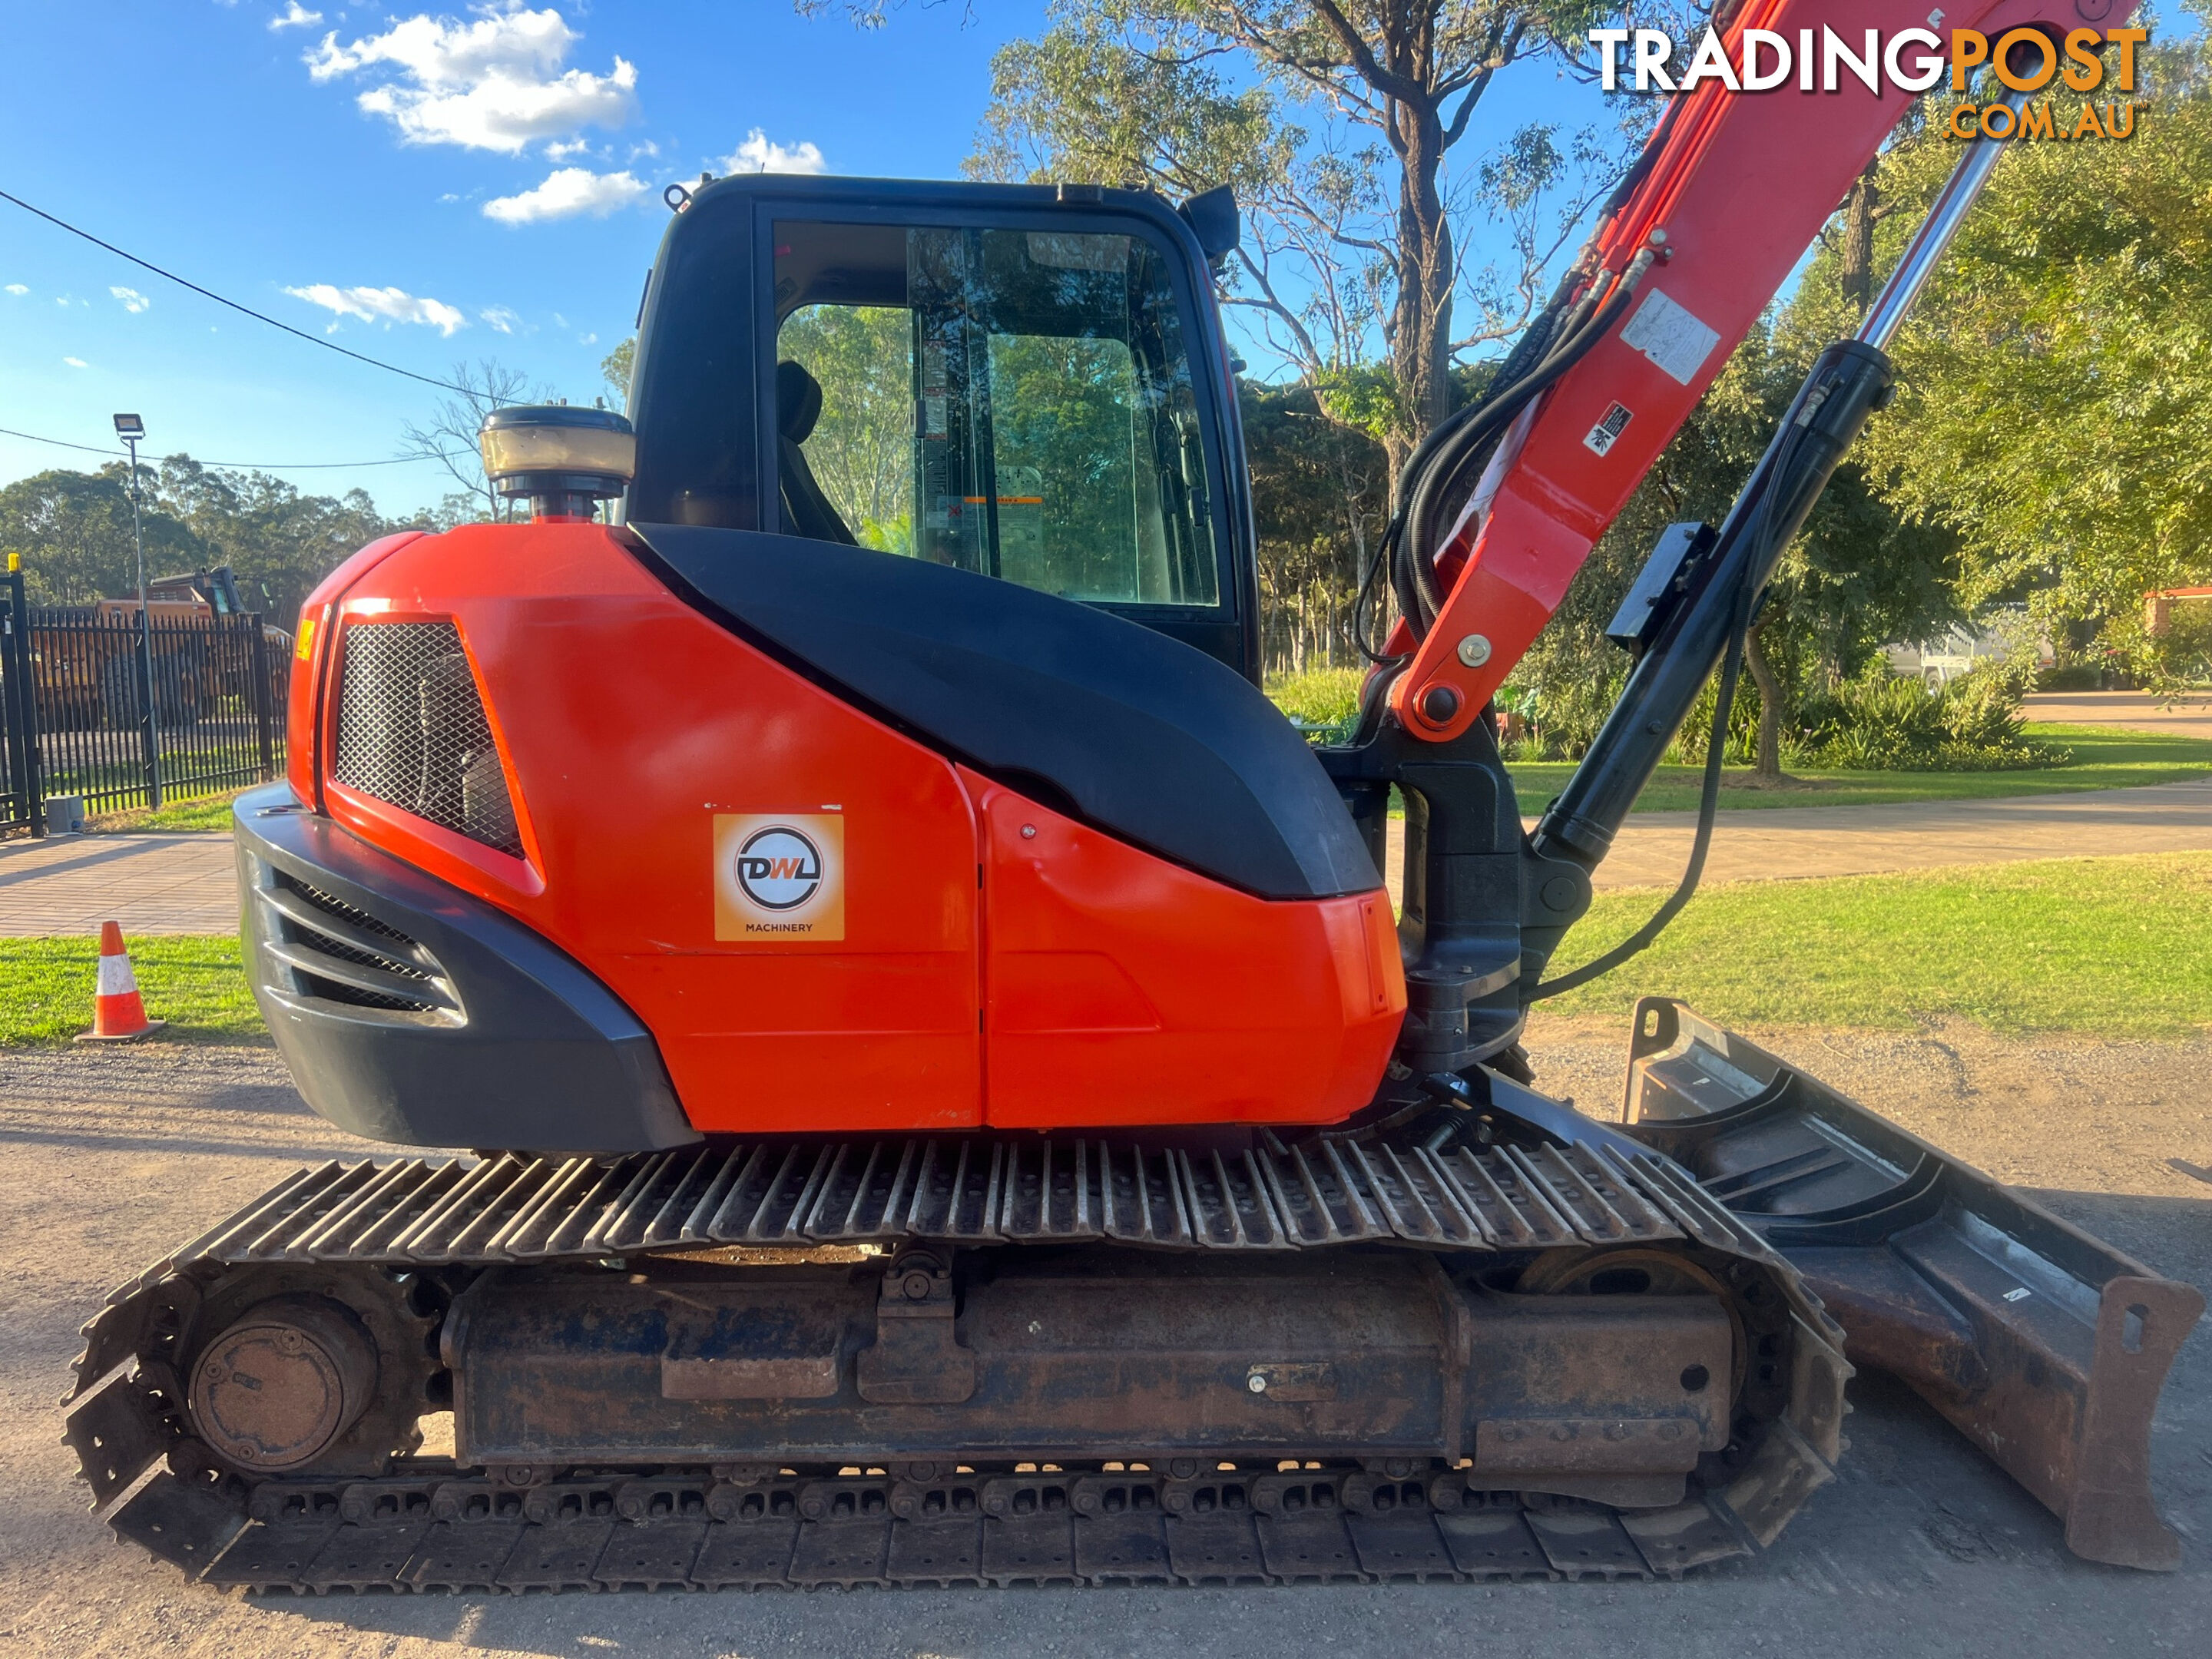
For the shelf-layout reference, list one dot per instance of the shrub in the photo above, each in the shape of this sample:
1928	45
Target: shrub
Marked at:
1559	718
2184	654
1885	723
1323	702
2073	676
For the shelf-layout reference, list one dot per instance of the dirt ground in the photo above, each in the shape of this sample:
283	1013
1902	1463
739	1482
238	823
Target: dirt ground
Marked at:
1921	1546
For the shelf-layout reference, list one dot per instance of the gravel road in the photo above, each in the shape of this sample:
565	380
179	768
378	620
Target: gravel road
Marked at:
1921	1548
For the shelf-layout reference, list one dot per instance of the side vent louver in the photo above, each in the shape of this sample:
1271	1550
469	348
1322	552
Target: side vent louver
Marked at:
412	732
340	953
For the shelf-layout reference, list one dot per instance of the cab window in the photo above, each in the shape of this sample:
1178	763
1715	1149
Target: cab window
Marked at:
1017	403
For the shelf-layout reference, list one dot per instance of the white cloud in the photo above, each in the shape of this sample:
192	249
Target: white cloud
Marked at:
495	83
295	16
566	191
76	362
133	301
380	304
17	288
759	154
568	151
502	318
587	339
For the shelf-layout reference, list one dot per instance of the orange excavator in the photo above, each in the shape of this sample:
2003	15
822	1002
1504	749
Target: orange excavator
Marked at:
947	1098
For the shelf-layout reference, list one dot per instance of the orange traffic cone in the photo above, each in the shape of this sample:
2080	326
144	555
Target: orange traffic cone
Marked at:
118	1013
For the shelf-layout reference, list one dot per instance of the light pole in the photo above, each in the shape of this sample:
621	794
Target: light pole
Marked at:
130	429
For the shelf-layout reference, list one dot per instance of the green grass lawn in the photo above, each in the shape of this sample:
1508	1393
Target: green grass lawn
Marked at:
2112	947
197	984
2105	757
205	812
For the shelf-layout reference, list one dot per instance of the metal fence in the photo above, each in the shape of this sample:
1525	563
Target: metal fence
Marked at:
19	772
80	719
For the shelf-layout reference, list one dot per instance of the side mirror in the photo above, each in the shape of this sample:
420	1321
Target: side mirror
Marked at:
1212	216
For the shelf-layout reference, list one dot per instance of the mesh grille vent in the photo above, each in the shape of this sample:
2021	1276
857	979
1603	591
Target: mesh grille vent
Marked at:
344	912
411	731
345	952
332	990
394	966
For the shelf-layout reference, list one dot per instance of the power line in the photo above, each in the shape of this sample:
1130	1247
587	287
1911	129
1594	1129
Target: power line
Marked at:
258	316
245	467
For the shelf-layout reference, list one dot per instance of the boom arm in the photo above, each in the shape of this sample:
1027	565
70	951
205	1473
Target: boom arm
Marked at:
1733	188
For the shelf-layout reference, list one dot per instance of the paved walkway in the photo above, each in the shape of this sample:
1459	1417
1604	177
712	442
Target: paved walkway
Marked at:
1769	843
153	883
186	883
2136	711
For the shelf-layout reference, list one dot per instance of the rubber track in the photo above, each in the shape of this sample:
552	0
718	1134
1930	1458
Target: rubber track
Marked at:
424	1527
664	1534
971	1190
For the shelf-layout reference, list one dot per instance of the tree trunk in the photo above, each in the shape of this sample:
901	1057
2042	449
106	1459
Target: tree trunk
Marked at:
1421	318
1767	764
1857	262
1355	521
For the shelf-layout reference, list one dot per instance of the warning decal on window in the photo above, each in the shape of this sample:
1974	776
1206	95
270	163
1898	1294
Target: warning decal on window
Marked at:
1601	435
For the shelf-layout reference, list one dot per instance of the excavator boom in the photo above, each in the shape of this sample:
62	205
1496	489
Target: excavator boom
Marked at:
1730	190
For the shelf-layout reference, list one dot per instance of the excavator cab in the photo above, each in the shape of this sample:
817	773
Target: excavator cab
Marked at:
1026	383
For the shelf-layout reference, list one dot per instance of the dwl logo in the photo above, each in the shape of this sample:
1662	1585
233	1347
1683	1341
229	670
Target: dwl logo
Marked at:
780	877
779	868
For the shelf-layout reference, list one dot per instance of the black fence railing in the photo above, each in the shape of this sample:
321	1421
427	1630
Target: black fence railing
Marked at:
19	765
130	714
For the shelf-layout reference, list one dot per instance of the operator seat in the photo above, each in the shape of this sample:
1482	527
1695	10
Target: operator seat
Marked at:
806	509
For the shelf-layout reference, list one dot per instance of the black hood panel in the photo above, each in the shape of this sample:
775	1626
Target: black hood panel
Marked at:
1138	734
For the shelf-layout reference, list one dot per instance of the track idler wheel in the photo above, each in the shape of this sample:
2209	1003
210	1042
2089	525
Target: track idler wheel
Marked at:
283	1384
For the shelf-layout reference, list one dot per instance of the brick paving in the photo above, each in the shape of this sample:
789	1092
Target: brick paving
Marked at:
151	884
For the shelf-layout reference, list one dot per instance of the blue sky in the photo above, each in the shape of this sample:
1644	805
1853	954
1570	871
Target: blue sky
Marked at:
424	185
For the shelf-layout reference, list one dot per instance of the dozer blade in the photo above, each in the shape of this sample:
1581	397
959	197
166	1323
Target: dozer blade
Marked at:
2043	1345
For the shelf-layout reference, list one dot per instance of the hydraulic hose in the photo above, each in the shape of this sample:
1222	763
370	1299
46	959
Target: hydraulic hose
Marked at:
1710	622
1558	321
1467	447
1410	544
1844	386
1708	797
1850	380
